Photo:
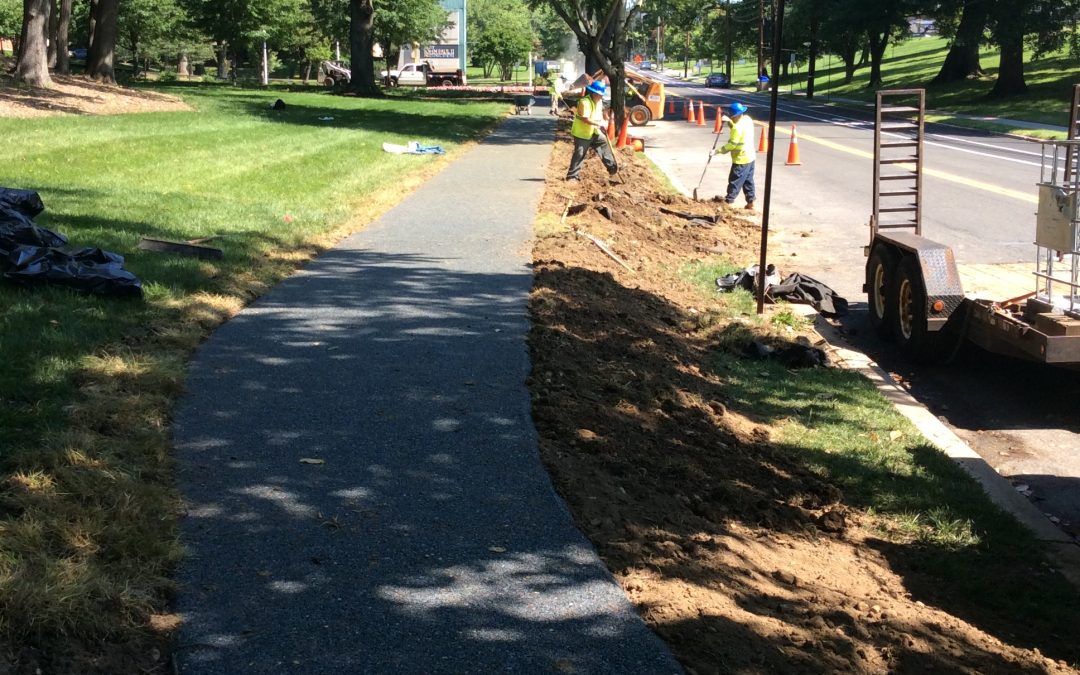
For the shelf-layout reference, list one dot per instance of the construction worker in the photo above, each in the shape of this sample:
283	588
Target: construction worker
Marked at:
741	147
558	87
588	131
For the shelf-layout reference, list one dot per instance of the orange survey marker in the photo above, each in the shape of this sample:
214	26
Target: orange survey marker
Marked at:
719	126
701	114
611	129
763	144
793	149
689	110
671	105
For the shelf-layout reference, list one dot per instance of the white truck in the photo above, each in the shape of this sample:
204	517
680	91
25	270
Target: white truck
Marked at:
422	75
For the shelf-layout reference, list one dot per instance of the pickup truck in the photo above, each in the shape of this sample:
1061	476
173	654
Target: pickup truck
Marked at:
423	75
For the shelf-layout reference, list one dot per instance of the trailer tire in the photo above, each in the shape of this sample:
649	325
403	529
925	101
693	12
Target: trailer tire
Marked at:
910	326
447	82
880	298
640	116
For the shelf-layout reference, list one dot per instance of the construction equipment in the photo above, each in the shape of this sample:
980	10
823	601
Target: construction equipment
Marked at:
913	285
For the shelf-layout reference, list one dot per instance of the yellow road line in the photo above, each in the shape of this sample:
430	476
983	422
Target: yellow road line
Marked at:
979	185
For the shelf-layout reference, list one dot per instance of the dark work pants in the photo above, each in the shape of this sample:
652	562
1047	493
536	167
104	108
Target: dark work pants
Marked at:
740	178
599	143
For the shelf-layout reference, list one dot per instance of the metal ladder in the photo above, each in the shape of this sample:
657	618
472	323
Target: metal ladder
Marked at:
898	160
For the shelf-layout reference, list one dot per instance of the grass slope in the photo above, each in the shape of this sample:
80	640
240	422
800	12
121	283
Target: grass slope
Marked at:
87	509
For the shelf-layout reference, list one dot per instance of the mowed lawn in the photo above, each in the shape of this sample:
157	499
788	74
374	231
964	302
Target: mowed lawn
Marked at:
915	62
87	508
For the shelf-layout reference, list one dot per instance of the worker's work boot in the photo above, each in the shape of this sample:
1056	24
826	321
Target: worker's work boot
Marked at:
749	206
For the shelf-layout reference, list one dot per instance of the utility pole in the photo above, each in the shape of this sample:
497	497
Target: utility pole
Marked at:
728	62
813	50
761	37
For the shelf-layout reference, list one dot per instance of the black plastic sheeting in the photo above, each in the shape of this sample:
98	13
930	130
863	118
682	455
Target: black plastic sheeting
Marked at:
32	255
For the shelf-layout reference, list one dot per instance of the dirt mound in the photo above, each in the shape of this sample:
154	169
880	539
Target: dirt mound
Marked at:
78	96
741	558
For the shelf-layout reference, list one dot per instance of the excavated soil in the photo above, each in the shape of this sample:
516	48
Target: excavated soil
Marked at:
740	558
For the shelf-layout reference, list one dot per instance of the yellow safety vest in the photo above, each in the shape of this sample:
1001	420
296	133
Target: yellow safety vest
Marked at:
587	110
741	144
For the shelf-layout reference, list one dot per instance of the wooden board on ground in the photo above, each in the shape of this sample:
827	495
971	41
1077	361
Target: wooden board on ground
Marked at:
997	281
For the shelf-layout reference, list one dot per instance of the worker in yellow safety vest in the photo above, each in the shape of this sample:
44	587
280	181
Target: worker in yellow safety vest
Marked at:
588	132
741	147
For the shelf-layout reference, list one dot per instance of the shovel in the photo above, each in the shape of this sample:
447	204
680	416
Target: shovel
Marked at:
702	179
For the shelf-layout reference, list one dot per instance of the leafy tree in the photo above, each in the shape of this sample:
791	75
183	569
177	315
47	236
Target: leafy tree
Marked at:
103	25
361	41
554	36
237	25
33	66
405	22
11	12
149	28
501	34
1044	25
59	31
600	27
964	23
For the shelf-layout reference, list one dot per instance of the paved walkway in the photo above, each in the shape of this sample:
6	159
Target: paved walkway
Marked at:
429	539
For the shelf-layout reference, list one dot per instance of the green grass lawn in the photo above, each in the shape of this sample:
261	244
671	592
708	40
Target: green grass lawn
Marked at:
932	520
914	62
87	532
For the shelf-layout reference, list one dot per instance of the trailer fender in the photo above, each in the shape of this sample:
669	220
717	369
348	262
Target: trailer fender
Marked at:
940	278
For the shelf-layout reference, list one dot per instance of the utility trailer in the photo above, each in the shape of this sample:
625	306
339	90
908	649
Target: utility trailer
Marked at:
913	284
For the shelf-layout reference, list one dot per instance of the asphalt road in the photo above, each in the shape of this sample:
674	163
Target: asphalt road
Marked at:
979	198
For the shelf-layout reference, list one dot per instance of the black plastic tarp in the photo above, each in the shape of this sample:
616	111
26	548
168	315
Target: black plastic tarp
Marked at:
33	255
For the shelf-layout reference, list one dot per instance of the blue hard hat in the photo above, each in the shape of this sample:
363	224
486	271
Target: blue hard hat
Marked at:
736	108
597	87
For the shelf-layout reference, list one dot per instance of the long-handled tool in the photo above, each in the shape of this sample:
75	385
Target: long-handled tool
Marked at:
711	153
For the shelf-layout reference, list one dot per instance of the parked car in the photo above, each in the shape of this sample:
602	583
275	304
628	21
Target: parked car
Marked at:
717	80
79	53
646	65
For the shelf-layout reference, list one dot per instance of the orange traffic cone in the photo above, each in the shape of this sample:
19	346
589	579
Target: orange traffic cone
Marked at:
719	126
611	129
793	149
689	111
671	106
763	144
622	133
701	114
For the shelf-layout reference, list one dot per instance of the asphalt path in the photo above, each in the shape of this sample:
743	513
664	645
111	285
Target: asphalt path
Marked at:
979	198
363	486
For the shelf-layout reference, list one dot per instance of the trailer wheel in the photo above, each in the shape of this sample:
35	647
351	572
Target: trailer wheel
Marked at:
640	116
880	273
447	82
910	326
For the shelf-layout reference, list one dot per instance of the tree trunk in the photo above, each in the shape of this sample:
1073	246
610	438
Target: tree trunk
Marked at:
307	71
962	61
878	43
222	60
63	29
847	55
33	67
813	51
361	63
1010	79
99	58
182	65
54	24
865	55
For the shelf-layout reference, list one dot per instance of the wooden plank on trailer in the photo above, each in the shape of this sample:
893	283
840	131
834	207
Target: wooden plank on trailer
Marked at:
996	281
